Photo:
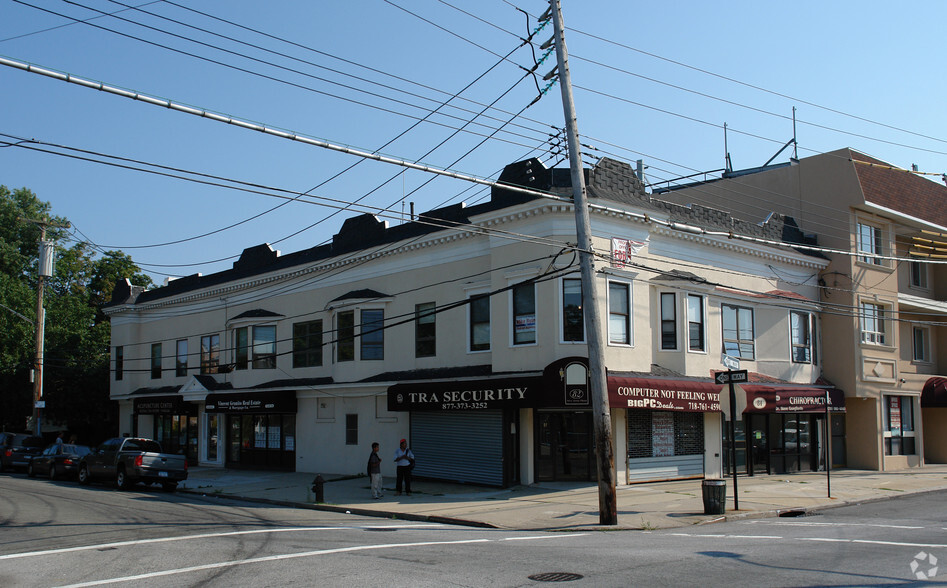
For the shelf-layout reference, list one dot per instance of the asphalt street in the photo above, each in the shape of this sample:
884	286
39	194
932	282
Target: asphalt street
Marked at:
62	534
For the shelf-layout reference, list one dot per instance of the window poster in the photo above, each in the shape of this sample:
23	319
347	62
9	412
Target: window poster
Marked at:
273	437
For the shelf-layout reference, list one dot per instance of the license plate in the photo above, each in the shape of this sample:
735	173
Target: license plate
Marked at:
162	474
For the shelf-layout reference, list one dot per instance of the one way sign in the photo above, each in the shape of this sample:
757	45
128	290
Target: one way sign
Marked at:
727	377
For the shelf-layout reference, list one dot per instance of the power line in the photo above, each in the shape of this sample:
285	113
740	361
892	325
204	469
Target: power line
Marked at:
276	79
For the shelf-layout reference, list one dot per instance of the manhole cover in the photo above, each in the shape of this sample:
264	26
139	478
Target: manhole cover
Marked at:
555	577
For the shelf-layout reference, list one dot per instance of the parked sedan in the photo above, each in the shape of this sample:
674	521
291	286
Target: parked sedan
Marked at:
17	448
59	459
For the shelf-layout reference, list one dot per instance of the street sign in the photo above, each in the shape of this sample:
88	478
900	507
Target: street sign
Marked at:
730	362
40	404
733	376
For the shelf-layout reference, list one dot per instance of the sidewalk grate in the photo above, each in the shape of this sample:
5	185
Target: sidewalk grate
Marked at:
555	577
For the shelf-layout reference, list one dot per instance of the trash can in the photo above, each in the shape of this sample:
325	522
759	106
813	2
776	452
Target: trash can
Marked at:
715	496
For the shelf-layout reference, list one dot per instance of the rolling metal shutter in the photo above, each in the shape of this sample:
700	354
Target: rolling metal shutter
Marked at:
464	446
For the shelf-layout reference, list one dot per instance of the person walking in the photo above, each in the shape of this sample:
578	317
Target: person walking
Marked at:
374	472
404	459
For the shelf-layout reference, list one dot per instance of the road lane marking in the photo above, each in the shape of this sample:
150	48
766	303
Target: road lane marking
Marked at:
271	558
820	539
209	536
815	524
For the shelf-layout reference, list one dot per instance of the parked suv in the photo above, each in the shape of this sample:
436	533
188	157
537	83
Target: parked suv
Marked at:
16	449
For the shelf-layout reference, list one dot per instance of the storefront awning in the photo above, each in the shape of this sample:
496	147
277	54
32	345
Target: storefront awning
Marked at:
934	393
282	401
770	399
663	394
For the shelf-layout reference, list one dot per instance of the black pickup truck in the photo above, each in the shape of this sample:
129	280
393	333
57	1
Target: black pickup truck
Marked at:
129	460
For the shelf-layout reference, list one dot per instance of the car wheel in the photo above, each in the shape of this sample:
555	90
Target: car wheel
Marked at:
84	474
121	480
29	470
170	486
52	472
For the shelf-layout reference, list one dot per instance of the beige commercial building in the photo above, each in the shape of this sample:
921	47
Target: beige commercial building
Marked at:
462	330
884	303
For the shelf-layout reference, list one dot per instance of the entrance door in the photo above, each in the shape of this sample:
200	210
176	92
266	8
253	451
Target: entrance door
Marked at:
759	454
564	446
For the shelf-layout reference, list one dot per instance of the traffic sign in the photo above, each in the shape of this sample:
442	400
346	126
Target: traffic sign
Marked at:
731	376
730	362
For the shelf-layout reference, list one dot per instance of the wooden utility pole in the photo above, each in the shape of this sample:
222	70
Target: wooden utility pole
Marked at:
44	270
607	499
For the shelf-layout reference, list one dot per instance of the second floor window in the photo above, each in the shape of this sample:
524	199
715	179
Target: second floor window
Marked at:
922	343
264	347
800	338
307	344
619	314
919	275
868	243
695	322
180	361
573	322
241	344
345	336
425	332
524	314
119	362
480	323
372	334
738	339
155	360
210	354
873	323
668	320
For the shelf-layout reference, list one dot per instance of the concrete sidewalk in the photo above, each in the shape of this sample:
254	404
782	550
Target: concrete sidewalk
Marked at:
564	505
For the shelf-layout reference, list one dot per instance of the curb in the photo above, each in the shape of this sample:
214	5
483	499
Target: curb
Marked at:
348	510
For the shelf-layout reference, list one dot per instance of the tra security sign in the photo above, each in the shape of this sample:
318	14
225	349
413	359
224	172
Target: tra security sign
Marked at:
731	376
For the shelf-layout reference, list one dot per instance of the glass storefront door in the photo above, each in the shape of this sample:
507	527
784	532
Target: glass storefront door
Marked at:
759	444
794	442
740	434
564	446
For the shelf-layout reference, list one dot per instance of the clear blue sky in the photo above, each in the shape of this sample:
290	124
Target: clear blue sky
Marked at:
653	81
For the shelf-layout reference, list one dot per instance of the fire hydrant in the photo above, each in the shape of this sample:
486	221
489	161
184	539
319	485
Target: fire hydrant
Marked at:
318	489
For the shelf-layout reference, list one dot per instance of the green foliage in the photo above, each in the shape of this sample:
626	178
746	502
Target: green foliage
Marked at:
76	353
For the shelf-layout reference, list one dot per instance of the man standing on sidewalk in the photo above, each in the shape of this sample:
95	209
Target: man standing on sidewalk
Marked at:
374	471
404	459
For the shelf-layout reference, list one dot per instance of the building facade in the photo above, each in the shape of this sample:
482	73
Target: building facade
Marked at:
463	331
884	297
